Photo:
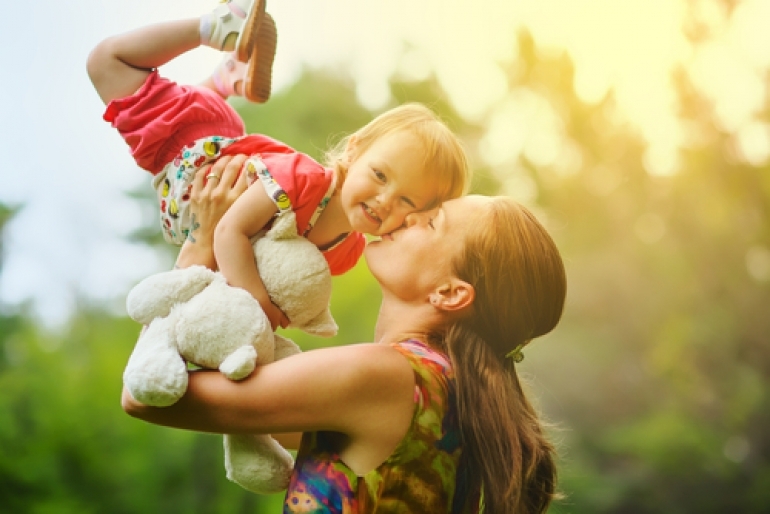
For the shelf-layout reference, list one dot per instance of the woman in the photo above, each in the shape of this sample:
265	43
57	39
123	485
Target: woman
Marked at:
430	417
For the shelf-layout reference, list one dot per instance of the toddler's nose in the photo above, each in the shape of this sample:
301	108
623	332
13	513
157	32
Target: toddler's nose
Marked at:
384	201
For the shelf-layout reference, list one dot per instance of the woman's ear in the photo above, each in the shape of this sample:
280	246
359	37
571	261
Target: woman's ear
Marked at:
456	295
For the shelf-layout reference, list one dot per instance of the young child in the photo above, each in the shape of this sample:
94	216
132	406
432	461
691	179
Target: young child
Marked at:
403	161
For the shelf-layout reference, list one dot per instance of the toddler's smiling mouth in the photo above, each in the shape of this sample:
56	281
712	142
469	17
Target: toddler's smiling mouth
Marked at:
371	214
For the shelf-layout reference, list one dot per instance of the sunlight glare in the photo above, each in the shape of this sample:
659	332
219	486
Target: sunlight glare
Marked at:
753	142
414	66
524	124
660	160
519	186
736	89
749	31
505	135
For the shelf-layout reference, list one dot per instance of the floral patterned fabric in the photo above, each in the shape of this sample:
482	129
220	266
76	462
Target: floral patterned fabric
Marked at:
420	476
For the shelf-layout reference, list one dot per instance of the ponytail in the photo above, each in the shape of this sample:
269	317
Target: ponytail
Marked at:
507	460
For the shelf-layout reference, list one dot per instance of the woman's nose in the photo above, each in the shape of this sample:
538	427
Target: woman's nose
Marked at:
417	217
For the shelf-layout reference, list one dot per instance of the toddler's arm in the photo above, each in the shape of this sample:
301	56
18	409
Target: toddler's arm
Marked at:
234	253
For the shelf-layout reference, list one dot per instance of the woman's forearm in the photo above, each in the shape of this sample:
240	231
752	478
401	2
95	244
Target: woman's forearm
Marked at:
199	409
163	416
198	252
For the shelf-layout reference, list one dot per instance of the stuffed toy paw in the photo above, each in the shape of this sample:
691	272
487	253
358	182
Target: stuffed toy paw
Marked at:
257	462
193	316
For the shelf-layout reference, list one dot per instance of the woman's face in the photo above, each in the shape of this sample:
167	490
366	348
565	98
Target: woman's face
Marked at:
411	261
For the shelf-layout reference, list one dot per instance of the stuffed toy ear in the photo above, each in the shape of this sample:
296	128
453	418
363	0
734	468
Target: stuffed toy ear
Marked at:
322	325
154	296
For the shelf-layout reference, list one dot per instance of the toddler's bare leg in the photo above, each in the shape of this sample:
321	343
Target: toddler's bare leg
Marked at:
119	65
228	77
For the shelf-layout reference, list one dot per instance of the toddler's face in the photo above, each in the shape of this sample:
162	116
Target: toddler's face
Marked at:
385	183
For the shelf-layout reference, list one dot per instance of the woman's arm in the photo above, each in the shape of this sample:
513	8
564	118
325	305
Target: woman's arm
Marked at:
357	390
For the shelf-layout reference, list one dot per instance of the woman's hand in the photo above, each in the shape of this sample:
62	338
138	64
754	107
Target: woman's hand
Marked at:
214	189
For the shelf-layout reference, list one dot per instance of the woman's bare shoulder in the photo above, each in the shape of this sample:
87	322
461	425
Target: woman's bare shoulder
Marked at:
364	362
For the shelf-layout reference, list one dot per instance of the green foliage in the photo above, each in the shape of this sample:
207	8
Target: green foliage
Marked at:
355	298
311	115
68	446
10	320
6	213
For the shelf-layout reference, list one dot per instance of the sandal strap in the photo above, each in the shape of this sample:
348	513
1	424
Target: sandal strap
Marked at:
227	73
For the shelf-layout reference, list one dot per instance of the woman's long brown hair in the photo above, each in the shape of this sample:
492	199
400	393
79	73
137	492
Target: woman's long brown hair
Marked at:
520	285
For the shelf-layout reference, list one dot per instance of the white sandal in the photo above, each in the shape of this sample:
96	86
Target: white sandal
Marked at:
239	20
258	78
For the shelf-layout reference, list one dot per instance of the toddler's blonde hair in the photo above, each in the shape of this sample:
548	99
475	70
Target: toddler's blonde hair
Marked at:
444	153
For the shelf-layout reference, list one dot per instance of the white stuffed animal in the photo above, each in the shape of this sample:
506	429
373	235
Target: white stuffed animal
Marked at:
193	316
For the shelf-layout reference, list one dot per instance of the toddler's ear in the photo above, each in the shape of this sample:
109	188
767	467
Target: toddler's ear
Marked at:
350	149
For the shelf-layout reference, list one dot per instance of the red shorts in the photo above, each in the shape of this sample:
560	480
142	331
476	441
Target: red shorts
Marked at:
162	117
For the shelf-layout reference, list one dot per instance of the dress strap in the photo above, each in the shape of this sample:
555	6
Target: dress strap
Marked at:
321	205
256	168
416	349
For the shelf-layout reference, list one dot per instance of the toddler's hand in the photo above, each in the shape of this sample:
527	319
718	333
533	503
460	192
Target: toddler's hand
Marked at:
276	316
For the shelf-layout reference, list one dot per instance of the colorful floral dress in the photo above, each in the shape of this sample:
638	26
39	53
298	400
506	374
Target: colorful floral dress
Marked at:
420	476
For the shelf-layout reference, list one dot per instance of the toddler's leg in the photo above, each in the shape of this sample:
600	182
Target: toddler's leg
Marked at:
252	80
227	78
232	26
119	65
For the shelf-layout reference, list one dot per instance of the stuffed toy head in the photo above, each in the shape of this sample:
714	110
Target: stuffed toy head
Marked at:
296	277
193	316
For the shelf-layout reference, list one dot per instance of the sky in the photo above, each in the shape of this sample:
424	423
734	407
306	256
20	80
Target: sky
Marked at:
70	171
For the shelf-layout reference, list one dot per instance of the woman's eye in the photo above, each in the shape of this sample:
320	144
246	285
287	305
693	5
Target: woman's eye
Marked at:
430	223
380	175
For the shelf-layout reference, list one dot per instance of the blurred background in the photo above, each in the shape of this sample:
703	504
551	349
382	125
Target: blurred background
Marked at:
637	130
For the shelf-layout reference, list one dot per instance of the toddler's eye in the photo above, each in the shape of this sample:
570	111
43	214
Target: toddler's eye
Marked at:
430	223
380	175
